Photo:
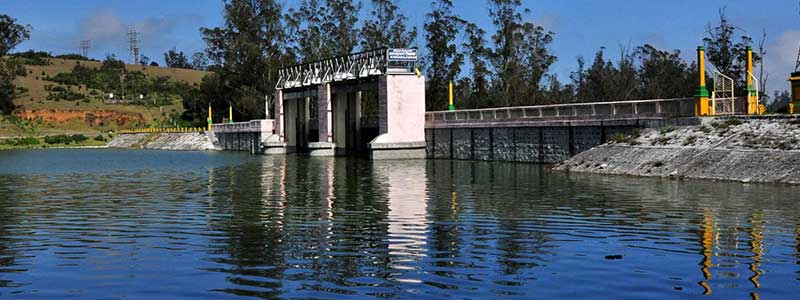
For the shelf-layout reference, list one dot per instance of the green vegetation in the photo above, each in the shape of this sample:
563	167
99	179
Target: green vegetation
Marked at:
55	141
65	139
28	141
32	58
112	77
666	129
630	139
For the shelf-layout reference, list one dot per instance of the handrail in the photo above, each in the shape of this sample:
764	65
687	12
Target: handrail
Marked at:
163	130
338	68
559	105
659	107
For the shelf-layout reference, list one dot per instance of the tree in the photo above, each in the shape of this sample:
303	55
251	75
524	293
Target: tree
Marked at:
604	81
153	64
727	56
175	59
520	58
339	25
664	74
247	51
477	86
199	61
387	27
144	60
780	102
305	31
443	58
11	35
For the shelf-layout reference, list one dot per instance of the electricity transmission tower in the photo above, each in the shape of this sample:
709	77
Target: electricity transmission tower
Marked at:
85	44
133	46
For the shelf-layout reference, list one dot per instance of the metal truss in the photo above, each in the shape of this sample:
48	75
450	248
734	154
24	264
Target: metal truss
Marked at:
349	67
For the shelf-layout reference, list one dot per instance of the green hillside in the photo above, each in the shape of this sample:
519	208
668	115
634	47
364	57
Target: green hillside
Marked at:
70	96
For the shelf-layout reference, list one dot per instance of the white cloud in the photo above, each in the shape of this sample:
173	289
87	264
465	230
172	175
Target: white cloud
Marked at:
780	59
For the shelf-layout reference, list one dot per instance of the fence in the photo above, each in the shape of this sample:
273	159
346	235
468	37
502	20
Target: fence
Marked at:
162	130
683	107
251	126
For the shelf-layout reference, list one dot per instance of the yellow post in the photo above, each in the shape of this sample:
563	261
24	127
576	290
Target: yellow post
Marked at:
752	94
701	94
795	84
230	112
450	102
209	116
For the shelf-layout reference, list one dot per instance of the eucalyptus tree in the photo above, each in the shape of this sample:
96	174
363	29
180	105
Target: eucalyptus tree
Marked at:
520	58
11	35
248	49
386	27
443	58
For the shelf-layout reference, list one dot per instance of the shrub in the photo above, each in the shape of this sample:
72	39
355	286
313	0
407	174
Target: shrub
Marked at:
690	140
57	139
100	138
78	138
65	139
28	141
666	129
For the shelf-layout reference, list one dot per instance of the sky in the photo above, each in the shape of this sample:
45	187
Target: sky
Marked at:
581	27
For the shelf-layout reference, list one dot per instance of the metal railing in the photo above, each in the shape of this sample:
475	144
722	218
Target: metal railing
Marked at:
162	130
250	126
682	107
340	68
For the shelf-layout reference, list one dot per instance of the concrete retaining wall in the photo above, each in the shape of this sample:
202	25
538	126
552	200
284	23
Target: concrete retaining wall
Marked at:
548	145
186	141
240	141
774	166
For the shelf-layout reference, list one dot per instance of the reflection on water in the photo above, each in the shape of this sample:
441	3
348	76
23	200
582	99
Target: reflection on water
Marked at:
125	224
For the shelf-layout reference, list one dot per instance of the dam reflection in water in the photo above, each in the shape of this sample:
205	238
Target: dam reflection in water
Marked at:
293	227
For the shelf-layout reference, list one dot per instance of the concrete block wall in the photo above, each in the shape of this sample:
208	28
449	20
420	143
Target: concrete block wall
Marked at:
548	145
240	141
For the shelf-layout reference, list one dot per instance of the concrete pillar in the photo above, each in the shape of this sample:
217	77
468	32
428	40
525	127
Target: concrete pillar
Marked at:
279	118
401	113
325	145
355	116
325	109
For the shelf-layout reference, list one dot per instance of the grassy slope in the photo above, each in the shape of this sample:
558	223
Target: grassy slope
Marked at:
36	97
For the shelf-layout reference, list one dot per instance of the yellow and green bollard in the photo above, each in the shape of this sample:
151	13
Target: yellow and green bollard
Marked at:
701	107
752	93
451	106
209	117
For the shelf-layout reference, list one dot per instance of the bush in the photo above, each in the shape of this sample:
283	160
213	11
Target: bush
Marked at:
65	139
57	139
21	141
100	138
78	138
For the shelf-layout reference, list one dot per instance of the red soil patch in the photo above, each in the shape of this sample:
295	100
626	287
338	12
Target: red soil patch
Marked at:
90	117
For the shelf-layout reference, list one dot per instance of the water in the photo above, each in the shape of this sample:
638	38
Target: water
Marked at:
112	224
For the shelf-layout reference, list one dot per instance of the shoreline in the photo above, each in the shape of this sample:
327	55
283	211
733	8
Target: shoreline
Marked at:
725	149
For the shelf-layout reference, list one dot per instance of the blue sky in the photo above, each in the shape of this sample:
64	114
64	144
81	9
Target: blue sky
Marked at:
580	26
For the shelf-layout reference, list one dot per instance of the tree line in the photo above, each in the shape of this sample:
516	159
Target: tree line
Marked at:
506	64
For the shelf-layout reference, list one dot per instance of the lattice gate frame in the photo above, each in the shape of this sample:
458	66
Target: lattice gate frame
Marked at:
723	98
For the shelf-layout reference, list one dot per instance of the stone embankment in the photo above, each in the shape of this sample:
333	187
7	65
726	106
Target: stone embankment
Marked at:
739	149
184	141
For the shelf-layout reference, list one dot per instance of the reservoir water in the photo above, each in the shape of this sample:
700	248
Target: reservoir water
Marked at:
117	224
